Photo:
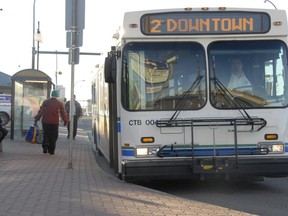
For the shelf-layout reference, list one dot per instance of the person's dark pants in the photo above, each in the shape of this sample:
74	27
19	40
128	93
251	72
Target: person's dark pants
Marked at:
50	137
3	133
75	123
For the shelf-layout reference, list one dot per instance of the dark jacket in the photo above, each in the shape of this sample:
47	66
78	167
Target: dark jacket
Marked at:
77	106
50	111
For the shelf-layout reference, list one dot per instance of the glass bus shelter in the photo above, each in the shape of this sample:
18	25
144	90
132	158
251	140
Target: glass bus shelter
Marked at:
30	88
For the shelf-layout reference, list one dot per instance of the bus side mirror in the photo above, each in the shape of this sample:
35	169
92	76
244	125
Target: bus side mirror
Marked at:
110	69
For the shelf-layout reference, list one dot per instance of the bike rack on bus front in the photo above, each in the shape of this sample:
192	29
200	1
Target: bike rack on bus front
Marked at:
255	124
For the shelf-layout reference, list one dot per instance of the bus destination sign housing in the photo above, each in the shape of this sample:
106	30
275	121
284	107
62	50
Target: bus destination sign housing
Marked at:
203	23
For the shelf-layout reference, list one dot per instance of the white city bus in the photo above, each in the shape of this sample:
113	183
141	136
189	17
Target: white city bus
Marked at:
163	106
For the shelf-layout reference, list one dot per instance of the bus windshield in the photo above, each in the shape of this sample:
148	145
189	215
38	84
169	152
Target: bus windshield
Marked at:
248	74
162	76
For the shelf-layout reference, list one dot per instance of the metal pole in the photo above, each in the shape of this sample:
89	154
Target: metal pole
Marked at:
72	53
33	44
56	72
66	53
271	3
56	79
71	117
38	32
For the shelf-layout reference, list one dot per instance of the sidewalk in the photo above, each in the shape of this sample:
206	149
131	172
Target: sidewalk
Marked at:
37	184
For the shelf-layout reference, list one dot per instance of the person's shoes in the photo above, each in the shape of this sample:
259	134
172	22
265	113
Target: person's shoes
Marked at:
51	153
45	150
68	137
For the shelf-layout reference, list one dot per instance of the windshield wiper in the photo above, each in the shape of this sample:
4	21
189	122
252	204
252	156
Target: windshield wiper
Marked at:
180	104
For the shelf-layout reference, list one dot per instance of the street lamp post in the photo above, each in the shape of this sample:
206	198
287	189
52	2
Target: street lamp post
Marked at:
38	38
33	44
56	70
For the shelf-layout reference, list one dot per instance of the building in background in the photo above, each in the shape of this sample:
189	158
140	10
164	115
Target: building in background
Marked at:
61	90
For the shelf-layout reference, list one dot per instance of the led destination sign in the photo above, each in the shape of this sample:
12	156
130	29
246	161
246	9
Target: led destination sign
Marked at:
205	23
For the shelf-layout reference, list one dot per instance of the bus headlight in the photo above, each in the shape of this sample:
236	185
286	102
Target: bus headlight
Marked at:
141	152
145	151
276	148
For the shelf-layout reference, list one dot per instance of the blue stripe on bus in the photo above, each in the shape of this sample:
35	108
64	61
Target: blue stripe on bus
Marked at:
127	152
118	126
184	152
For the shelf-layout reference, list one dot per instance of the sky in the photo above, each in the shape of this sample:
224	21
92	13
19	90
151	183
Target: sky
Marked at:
102	19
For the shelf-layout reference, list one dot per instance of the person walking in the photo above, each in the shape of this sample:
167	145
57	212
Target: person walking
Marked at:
76	115
49	111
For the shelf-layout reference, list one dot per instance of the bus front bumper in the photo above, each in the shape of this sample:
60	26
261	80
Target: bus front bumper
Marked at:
171	168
